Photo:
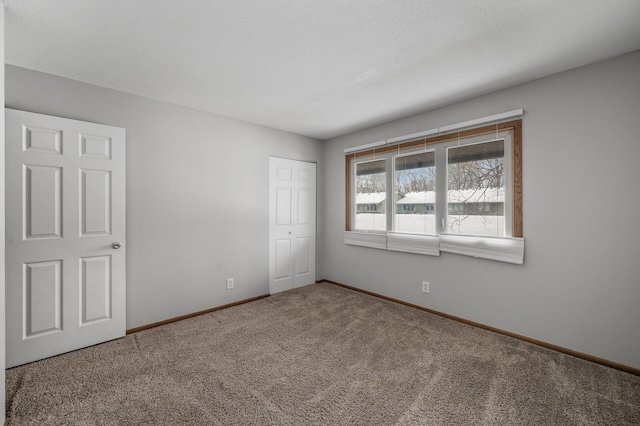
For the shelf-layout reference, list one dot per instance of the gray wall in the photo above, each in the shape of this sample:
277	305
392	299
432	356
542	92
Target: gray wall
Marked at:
197	200
580	285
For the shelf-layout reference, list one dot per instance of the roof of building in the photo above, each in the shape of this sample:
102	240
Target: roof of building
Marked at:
370	197
423	197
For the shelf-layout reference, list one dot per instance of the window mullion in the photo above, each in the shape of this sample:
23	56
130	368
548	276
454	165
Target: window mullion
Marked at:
390	198
441	189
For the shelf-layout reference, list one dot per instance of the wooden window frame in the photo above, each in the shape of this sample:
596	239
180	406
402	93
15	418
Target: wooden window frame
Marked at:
514	127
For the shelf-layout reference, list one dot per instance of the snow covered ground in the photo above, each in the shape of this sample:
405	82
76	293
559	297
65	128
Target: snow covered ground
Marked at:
492	226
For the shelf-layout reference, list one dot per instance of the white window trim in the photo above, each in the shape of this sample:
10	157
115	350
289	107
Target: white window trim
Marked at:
366	239
509	250
414	243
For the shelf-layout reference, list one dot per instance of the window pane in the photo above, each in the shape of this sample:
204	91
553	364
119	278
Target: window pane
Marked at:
415	185
371	196
475	178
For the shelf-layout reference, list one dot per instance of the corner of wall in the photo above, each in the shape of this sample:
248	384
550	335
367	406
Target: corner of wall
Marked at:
2	238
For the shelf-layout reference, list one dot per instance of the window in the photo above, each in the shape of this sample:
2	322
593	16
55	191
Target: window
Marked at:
414	182
370	189
476	189
466	183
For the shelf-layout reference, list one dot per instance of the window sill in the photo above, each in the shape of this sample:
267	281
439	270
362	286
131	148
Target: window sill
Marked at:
510	250
413	243
366	239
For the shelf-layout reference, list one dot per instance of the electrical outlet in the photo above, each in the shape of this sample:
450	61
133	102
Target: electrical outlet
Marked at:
425	286
229	283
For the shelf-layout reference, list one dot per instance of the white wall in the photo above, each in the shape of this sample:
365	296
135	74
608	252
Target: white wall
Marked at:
197	200
580	285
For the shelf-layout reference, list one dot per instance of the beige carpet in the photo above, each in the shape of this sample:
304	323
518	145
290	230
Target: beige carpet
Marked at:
319	355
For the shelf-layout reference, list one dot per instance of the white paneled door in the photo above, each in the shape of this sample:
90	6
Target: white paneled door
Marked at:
65	229
292	224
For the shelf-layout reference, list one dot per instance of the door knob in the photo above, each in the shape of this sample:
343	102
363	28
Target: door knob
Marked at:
116	246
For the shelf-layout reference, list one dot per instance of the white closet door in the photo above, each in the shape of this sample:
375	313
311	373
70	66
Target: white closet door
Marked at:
292	224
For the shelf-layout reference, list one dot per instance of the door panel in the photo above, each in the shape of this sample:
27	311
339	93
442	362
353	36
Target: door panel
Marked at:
95	147
95	288
304	204
65	208
283	206
43	297
292	224
43	202
48	141
95	202
302	256
284	172
282	259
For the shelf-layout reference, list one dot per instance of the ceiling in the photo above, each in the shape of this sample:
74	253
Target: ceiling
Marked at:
320	68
